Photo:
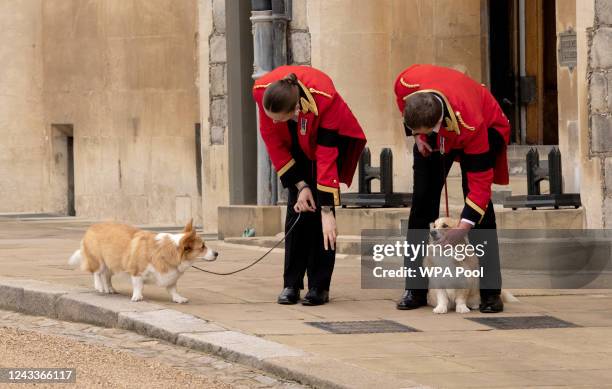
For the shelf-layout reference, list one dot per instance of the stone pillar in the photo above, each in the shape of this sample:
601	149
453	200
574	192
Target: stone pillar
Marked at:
263	46
281	10
280	20
270	20
600	98
213	110
567	86
591	138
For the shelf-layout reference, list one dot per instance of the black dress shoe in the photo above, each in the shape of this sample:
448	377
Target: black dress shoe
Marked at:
412	299
316	296
289	296
491	304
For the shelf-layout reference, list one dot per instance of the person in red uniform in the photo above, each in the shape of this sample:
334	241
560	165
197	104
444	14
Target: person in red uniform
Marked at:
452	117
314	142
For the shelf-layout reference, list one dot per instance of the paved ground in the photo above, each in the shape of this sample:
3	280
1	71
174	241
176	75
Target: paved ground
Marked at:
448	351
114	358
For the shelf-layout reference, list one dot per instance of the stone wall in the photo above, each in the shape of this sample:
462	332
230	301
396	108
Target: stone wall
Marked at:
567	86
590	182
213	89
364	44
600	99
122	76
22	146
299	36
214	99
218	74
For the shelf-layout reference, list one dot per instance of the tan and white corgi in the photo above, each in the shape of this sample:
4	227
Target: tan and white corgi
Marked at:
148	257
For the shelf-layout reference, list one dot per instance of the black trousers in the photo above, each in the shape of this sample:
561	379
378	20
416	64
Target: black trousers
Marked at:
304	250
429	175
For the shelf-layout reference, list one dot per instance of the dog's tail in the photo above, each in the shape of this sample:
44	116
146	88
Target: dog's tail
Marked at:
76	258
508	297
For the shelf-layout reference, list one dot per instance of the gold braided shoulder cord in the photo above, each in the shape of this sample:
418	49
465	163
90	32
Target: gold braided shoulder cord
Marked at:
464	124
404	83
313	90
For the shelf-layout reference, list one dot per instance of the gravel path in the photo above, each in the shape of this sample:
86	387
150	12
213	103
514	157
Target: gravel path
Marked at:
113	358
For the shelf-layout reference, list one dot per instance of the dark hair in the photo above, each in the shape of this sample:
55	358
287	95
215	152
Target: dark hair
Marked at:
281	96
422	110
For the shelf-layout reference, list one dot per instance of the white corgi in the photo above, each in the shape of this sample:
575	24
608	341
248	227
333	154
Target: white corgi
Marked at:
466	294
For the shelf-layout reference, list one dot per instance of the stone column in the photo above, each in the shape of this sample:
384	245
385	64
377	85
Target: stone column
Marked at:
263	45
281	10
213	110
567	86
600	98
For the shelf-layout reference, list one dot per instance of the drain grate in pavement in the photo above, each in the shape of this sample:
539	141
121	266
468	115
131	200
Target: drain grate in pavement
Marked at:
362	327
522	322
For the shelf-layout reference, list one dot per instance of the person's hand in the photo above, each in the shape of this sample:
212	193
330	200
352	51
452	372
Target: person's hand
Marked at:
456	235
422	145
305	201
329	230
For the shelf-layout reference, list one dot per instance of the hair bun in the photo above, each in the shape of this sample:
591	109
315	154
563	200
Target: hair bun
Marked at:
291	79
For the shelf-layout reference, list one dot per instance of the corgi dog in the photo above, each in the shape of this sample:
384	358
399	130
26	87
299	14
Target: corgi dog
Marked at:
148	257
466	292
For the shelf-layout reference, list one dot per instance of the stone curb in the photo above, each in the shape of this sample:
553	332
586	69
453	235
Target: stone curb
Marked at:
252	351
81	305
166	324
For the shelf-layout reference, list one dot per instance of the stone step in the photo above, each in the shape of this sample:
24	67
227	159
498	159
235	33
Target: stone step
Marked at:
351	222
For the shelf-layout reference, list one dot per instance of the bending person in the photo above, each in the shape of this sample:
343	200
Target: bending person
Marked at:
452	117
314	142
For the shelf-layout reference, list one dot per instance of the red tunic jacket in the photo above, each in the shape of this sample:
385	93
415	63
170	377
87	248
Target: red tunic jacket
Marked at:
470	110
328	132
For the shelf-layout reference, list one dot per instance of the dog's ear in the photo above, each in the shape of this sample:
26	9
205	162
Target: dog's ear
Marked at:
189	226
431	226
186	242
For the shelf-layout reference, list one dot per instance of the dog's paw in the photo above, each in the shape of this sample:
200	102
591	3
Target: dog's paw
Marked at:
180	299
440	309
137	297
462	308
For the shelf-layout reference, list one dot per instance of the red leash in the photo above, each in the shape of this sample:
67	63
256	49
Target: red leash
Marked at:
446	194
444	175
